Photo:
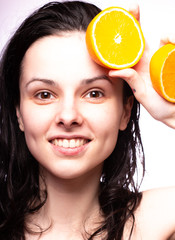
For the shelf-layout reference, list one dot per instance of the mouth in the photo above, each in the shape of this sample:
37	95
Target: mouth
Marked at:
70	143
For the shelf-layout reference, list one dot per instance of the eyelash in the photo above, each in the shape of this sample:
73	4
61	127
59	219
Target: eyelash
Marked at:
44	97
100	94
39	94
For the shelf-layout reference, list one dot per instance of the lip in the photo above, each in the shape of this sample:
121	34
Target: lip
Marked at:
69	151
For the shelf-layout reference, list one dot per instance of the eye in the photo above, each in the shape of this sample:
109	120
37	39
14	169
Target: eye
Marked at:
94	94
44	95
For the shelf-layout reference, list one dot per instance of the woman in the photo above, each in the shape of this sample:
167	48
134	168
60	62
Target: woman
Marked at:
69	134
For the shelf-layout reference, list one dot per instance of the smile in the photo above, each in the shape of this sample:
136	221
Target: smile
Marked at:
69	143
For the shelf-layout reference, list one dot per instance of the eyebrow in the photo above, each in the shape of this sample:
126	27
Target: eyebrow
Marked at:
83	82
46	81
101	77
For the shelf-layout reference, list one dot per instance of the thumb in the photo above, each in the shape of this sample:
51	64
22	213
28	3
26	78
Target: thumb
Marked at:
167	38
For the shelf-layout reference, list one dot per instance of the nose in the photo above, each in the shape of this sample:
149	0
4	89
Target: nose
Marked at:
69	114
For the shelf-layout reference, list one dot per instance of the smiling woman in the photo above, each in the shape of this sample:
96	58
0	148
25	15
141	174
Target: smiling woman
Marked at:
73	124
69	137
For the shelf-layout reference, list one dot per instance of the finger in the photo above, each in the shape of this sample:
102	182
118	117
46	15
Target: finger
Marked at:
133	79
134	10
130	5
167	38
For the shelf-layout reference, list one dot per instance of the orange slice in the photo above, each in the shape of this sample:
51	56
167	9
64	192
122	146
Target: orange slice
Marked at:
162	72
114	39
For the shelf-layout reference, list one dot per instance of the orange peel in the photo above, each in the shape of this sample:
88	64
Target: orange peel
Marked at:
162	72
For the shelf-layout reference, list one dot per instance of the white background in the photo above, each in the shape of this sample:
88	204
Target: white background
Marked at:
157	19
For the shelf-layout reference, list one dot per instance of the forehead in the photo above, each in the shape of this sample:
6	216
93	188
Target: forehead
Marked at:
60	56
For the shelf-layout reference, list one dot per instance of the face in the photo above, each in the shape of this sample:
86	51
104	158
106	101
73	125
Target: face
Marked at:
70	110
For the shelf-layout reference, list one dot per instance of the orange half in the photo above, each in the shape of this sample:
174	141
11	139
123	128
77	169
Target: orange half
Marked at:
162	72
114	39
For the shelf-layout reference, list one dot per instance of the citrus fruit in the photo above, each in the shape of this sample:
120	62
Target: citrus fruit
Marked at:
162	71
114	38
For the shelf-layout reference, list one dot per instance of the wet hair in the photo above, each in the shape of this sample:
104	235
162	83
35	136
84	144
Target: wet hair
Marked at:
20	194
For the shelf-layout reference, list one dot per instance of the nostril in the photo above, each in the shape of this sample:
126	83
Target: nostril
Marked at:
68	124
74	123
68	118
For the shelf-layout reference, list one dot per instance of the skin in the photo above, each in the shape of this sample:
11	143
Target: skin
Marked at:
66	97
154	218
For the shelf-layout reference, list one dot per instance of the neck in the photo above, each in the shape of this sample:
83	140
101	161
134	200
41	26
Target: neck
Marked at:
72	203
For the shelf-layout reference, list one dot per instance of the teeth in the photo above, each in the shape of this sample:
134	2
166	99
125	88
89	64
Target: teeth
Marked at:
66	143
72	143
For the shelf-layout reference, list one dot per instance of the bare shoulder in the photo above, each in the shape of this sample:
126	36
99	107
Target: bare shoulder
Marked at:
159	191
155	217
160	199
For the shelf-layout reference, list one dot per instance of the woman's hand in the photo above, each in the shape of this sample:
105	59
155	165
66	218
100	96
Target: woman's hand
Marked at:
139	80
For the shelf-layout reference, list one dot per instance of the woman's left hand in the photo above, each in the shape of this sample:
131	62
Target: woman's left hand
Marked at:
139	80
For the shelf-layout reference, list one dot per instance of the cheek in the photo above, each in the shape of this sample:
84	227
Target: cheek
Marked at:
35	121
105	126
105	119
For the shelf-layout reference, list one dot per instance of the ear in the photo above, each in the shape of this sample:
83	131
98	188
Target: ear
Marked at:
19	117
127	108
